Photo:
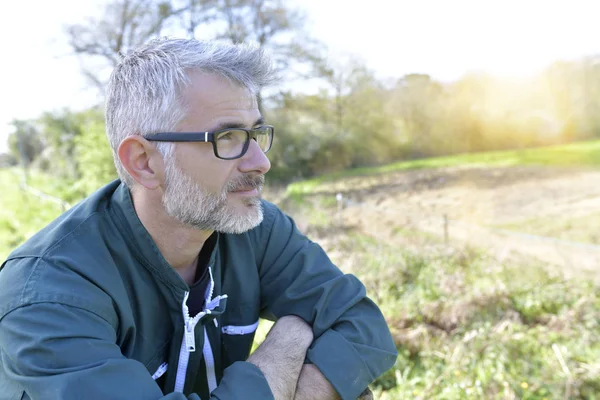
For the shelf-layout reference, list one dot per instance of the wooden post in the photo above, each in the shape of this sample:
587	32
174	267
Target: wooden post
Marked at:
446	238
340	206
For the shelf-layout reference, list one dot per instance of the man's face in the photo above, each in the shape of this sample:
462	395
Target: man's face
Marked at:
201	190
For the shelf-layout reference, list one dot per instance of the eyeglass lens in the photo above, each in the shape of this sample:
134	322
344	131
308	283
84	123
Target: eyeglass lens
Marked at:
232	143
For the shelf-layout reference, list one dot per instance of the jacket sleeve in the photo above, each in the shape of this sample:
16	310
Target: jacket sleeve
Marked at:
242	380
57	351
353	345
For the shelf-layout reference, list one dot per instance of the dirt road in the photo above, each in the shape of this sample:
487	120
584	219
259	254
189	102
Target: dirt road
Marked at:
491	208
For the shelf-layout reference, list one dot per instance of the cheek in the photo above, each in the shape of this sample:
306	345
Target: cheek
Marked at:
200	163
214	174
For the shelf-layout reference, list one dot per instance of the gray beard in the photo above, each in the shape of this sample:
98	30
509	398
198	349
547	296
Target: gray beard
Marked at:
193	206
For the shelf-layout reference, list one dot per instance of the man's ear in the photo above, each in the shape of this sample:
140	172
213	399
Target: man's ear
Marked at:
142	161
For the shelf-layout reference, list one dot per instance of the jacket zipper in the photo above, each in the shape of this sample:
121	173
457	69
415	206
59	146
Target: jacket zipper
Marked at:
209	360
239	329
188	344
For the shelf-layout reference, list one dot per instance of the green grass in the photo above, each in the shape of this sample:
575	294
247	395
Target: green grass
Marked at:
571	155
467	326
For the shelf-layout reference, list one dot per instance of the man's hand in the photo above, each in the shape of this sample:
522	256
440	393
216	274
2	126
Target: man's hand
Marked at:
312	385
281	356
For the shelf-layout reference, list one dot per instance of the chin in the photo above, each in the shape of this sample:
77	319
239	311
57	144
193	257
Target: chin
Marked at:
243	220
245	202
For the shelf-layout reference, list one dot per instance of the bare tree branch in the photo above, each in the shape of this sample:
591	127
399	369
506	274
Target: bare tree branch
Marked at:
127	24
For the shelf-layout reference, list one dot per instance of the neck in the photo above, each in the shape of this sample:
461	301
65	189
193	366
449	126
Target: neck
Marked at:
180	245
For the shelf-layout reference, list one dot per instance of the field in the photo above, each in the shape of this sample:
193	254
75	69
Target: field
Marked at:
483	264
550	213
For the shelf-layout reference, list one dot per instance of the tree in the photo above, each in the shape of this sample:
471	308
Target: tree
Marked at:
125	24
346	126
272	25
92	152
7	160
60	129
25	142
462	127
417	100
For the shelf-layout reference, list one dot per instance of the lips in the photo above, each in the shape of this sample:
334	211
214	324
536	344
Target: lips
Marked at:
247	184
246	189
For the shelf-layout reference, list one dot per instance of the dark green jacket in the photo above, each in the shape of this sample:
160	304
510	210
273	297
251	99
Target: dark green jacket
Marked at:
89	308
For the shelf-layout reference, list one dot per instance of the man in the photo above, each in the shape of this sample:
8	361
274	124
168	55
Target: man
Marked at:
155	283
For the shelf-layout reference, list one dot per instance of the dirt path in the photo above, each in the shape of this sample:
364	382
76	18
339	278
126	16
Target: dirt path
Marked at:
473	205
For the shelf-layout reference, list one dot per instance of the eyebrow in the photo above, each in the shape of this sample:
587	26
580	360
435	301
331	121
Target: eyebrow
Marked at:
229	125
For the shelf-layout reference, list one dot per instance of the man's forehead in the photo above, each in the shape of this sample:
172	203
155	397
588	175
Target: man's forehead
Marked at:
236	103
214	90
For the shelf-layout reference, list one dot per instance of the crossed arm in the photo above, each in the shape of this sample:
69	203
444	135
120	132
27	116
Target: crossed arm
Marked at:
281	359
352	344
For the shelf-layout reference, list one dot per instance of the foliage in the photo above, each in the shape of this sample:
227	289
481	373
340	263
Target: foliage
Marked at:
324	133
75	148
60	131
93	154
359	121
25	143
8	160
22	213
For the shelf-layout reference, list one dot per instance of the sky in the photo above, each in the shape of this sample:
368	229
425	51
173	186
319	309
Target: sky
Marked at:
443	38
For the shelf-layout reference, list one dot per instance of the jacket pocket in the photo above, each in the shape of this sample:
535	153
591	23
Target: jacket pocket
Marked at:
240	329
237	342
157	367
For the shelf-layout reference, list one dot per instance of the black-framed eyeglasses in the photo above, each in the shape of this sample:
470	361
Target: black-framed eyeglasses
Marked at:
228	143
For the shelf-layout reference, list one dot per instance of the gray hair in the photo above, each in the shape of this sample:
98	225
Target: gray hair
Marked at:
144	90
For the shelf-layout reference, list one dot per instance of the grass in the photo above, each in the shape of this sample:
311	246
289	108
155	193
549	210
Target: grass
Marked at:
570	155
470	326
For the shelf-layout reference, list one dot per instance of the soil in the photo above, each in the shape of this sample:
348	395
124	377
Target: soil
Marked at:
474	206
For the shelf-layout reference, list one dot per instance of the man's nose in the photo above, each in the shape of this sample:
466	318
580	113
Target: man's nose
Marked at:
255	160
